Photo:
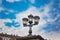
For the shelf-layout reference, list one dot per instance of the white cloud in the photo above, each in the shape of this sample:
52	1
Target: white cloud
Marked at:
53	36
1	9
10	0
17	0
2	24
11	11
32	1
59	4
7	11
46	10
13	1
0	2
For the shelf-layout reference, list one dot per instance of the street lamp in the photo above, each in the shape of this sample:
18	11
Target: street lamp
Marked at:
32	20
25	20
36	20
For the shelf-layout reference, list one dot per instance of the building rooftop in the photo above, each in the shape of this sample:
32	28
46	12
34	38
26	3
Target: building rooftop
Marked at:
22	38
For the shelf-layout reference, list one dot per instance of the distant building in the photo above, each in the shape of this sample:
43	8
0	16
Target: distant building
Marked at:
13	37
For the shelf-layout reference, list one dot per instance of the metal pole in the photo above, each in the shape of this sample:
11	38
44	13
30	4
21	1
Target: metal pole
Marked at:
30	30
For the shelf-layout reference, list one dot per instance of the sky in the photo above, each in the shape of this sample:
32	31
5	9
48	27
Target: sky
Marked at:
12	12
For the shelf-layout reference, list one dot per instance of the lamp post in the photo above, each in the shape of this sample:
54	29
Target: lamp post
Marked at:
32	20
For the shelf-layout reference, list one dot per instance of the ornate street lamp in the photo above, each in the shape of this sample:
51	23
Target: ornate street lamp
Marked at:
25	20
36	20
30	20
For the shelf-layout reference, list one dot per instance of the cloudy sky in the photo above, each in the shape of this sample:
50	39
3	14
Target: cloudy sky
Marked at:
12	12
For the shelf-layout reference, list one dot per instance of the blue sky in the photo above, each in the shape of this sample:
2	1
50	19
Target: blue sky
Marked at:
11	12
